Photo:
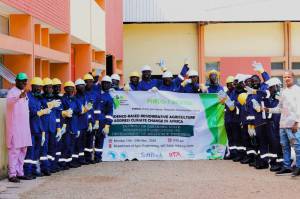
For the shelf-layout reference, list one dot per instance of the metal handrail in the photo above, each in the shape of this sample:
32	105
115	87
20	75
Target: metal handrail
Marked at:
7	74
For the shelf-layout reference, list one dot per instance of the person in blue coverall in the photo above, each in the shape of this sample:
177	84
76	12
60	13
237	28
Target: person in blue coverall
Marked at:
48	152
36	127
170	84
83	122
115	78
213	85
133	84
103	116
147	83
91	96
70	112
60	126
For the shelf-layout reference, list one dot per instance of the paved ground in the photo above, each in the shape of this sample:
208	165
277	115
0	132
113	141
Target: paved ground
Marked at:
158	179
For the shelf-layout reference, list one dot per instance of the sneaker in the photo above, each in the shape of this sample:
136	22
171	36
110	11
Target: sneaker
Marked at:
283	171
275	168
237	159
246	160
14	179
296	172
47	173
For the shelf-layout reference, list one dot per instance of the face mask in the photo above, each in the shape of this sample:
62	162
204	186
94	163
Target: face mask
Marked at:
38	95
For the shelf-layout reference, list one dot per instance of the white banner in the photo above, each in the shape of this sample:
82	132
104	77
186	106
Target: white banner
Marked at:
165	126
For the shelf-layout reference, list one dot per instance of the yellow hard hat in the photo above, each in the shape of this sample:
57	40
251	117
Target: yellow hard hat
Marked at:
229	79
134	74
37	81
56	81
69	83
242	98
88	77
213	72
47	81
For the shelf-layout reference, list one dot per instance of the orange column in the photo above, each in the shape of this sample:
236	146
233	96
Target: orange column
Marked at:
45	37
83	59
61	71
38	67
37	34
60	42
45	68
201	53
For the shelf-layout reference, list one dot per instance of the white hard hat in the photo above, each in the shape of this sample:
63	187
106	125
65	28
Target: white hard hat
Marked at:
242	77
167	74
273	81
192	73
79	82
146	68
106	79
115	77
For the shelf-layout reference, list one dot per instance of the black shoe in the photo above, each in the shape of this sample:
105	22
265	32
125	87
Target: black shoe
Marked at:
283	171
296	172
246	160
275	168
134	159
237	159
262	166
66	167
74	165
252	163
38	175
31	177
14	179
83	162
46	173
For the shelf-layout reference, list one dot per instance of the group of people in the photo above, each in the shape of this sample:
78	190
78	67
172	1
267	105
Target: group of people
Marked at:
261	121
48	131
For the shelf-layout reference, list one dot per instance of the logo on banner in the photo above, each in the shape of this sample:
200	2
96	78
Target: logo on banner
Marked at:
151	155
175	154
215	151
119	100
112	155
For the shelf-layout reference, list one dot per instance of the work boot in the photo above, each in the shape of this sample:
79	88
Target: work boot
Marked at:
31	177
38	175
283	171
14	179
246	160
296	172
46	173
262	165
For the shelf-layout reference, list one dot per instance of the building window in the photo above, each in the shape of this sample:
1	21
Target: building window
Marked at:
296	65
297	80
212	66
277	66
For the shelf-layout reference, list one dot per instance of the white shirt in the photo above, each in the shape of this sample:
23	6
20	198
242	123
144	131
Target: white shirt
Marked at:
289	107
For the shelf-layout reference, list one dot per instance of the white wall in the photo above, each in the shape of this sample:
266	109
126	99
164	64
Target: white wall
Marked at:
98	26
81	19
210	10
